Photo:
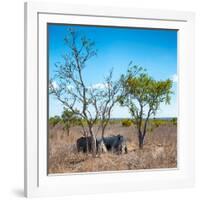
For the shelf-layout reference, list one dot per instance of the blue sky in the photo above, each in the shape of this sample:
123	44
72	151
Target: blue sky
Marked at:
155	50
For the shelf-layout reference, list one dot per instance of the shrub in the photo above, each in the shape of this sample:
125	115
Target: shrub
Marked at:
174	121
54	120
158	122
126	123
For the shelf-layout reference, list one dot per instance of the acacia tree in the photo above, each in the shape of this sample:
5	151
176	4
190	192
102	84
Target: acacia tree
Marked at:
68	84
69	118
143	96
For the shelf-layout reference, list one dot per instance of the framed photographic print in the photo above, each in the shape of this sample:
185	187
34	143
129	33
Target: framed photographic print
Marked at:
109	99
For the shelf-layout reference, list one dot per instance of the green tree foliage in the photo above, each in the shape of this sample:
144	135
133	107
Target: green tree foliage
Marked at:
69	119
143	95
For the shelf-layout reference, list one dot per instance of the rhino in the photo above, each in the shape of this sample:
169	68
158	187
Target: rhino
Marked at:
115	143
83	144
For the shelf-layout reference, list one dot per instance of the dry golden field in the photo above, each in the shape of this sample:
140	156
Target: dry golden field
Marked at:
159	151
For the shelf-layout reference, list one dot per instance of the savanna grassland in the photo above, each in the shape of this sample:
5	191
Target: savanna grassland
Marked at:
159	151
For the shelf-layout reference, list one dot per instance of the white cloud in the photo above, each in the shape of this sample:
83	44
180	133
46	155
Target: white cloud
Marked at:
55	85
69	87
99	86
174	78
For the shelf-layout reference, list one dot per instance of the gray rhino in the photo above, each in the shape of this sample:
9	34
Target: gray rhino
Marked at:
116	143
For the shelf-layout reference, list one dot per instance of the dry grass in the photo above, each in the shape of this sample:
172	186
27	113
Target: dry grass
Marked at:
160	151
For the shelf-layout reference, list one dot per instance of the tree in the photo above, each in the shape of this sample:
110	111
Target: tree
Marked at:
69	118
68	85
108	98
143	96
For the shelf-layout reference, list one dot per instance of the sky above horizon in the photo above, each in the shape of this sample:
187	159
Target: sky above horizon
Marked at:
153	49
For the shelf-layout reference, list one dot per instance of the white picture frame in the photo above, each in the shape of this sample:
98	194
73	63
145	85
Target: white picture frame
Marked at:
37	182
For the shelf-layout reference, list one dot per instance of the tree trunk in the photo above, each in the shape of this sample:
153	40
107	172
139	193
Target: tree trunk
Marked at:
68	131
93	143
141	141
103	131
